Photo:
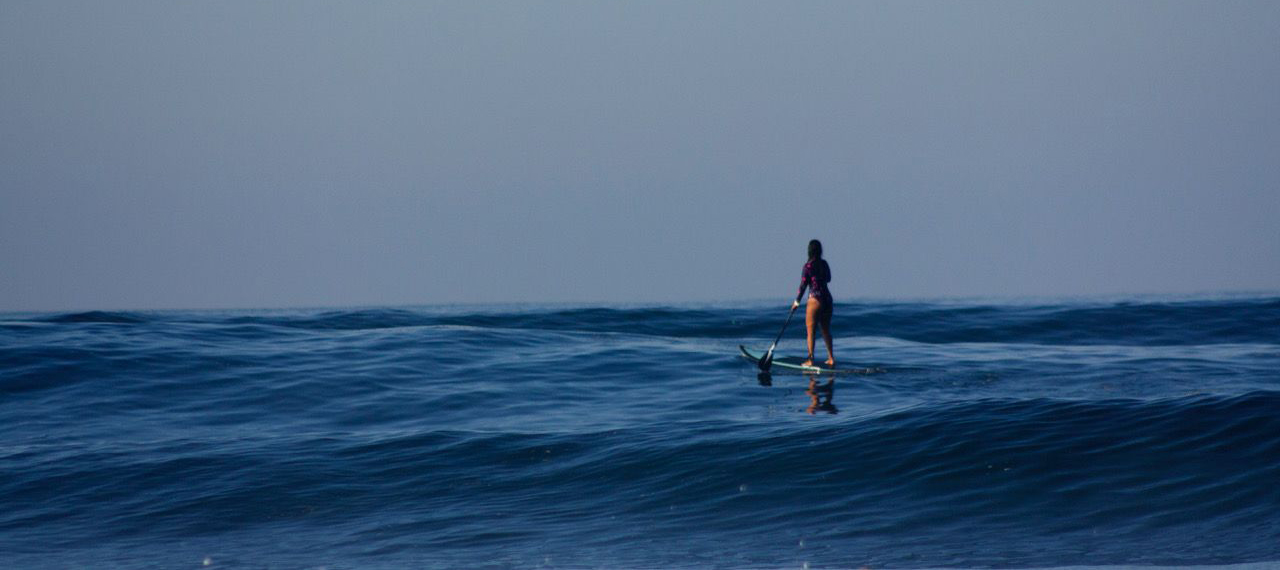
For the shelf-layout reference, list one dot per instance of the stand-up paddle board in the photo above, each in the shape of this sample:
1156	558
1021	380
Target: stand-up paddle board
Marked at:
796	363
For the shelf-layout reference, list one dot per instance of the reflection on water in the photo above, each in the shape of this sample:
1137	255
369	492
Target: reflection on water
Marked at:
820	396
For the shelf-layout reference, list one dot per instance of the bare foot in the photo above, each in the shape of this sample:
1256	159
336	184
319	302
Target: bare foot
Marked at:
807	362
831	362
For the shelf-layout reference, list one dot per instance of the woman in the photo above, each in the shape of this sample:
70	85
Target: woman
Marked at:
815	277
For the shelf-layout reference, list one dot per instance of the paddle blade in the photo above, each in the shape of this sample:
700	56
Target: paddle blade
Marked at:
766	361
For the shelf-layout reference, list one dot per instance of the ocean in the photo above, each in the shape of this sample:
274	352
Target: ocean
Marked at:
1117	432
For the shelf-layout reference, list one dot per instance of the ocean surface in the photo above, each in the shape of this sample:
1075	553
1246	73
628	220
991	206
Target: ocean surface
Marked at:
1001	434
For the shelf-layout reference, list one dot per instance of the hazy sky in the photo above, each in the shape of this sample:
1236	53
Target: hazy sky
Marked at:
262	154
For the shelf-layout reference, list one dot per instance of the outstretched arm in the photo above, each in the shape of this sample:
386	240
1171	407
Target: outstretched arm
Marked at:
804	283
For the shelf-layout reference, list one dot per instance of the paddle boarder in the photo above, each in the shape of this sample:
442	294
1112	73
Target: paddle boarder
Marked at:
815	277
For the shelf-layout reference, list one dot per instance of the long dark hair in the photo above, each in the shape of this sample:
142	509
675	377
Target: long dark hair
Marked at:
815	249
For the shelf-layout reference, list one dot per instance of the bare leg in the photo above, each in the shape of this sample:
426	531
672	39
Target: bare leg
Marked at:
811	317
825	321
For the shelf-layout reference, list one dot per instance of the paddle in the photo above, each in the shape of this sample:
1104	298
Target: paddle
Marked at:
767	360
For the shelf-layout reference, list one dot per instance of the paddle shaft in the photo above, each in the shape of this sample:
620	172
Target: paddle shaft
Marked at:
768	356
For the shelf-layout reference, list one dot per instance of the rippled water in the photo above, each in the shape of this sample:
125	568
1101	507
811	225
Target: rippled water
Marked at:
1003	435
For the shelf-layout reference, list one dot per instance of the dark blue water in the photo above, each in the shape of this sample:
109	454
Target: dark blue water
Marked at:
1003	435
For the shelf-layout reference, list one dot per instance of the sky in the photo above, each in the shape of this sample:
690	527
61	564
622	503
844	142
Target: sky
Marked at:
245	154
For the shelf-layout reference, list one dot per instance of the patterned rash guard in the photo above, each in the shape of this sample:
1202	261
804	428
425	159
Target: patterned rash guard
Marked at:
815	277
